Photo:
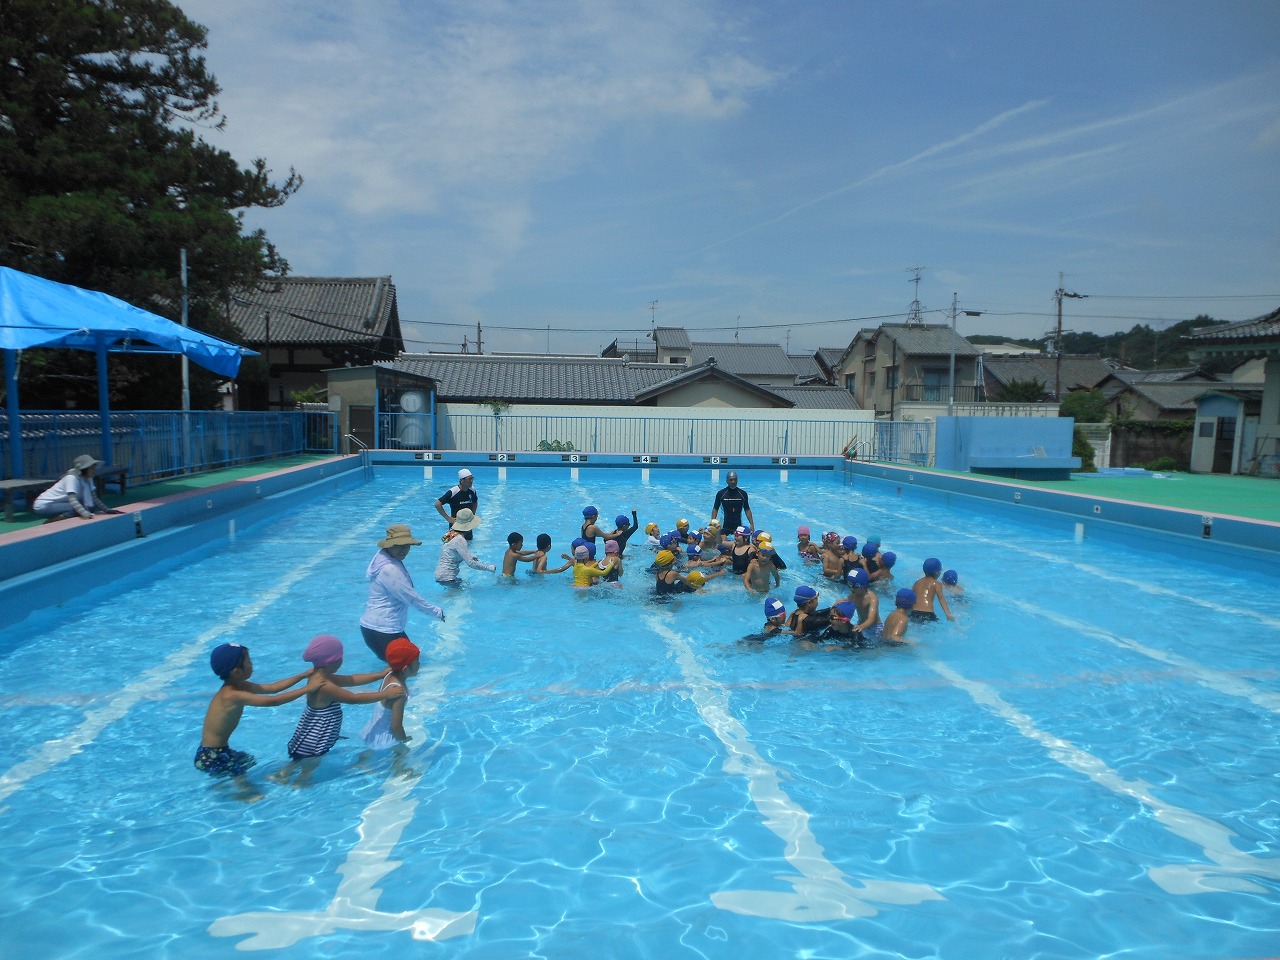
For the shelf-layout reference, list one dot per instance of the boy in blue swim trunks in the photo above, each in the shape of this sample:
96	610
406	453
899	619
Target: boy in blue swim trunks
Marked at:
232	663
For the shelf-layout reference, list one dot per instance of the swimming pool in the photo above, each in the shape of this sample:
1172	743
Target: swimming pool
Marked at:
1083	765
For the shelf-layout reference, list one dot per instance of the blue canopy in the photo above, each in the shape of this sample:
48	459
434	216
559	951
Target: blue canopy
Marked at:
35	312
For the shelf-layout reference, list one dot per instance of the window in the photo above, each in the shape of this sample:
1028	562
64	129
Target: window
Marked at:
849	379
871	381
1206	428
935	383
891	378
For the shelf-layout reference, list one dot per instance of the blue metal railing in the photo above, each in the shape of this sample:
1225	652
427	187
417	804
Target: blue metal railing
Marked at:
155	444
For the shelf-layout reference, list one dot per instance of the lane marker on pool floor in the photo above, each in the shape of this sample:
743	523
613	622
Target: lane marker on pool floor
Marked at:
1232	866
1218	680
355	903
822	891
53	752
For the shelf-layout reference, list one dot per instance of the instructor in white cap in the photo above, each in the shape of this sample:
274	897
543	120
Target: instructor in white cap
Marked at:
459	497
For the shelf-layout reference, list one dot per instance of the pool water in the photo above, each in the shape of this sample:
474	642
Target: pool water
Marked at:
1083	765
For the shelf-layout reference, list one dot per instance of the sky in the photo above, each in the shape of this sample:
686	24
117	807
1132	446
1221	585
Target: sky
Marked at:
564	174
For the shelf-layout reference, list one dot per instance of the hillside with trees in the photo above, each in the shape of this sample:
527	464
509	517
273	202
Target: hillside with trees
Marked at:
1141	346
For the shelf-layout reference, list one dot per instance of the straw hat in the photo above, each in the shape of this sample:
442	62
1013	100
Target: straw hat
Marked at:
399	535
465	520
84	462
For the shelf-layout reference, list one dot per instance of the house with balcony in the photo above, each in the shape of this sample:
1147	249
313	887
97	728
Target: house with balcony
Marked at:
894	366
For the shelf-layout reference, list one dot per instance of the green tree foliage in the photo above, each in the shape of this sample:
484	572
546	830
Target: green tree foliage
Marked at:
1082	448
104	179
1087	406
1022	391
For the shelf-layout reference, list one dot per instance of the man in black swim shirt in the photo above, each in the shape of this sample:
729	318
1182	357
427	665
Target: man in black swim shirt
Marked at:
734	500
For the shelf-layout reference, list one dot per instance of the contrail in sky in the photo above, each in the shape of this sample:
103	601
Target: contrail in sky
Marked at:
924	154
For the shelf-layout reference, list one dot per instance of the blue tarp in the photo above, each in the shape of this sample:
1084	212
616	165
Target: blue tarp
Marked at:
35	312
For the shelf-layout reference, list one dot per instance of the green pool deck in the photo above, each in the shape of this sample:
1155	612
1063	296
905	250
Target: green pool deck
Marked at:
157	489
1254	498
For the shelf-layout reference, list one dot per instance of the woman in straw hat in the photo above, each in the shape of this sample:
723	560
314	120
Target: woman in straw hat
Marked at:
74	493
391	592
454	552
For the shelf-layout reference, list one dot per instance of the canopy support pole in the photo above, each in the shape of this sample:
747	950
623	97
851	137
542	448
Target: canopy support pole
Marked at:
104	399
15	417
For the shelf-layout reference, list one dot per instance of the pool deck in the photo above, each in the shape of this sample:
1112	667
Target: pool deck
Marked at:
1253	498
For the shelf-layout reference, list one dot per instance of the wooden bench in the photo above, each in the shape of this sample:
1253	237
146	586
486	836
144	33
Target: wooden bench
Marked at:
118	473
28	487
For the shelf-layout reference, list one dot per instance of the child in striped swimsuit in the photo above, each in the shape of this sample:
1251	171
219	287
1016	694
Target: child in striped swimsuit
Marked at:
321	721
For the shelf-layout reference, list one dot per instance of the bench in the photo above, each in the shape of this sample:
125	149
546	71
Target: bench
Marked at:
28	487
119	473
1025	467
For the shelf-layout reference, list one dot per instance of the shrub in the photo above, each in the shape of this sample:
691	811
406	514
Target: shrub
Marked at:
1080	447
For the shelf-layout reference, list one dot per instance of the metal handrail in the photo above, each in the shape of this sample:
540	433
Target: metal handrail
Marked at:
356	440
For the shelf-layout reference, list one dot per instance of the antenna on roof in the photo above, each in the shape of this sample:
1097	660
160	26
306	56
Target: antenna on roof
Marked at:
653	316
735	328
915	317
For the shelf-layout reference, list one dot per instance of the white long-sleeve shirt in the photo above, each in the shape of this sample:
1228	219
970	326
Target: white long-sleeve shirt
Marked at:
453	553
391	594
73	491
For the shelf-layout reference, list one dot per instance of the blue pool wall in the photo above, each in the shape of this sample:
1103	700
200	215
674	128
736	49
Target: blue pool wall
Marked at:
46	566
1201	535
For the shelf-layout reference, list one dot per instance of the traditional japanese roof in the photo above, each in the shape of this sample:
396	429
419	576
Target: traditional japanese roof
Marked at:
1172	397
806	367
745	359
671	338
1079	372
1257	337
929	339
819	398
319	311
600	380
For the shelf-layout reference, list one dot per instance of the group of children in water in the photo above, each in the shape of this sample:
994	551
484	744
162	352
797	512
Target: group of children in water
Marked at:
684	561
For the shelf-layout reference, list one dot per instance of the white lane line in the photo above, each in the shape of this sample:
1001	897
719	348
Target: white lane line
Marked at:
1218	680
1102	573
54	752
821	891
1233	867
355	903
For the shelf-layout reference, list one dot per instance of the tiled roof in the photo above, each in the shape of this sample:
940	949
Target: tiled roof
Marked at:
746	359
671	338
819	398
1078	372
460	377
1173	396
806	367
1162	376
1266	327
714	371
318	310
930	339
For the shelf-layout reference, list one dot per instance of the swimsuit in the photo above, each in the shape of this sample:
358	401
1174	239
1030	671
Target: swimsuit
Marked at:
922	616
223	761
614	574
317	732
377	732
741	560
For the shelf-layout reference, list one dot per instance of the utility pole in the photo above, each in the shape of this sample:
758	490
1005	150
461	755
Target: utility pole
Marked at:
186	365
479	342
1058	295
